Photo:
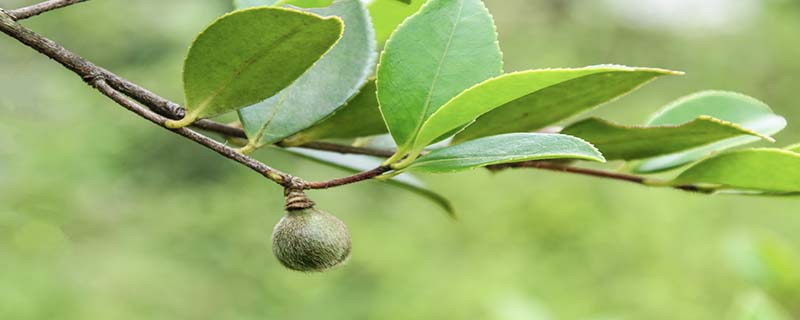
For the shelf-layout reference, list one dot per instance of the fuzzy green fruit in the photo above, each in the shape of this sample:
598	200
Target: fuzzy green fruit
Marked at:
310	240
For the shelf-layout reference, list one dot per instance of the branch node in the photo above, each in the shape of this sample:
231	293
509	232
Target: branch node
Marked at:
39	8
296	198
5	15
93	78
8	13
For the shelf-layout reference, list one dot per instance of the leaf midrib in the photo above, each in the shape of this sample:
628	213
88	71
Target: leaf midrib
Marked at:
434	82
703	119
731	128
699	137
509	157
261	54
537	91
263	129
596	70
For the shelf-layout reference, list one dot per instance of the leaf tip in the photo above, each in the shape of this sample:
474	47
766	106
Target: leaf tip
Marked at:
672	72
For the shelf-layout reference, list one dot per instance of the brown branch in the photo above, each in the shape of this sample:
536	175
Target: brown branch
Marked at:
223	129
161	109
345	149
367	175
96	77
155	102
35	10
265	170
86	69
165	107
160	105
47	47
544	165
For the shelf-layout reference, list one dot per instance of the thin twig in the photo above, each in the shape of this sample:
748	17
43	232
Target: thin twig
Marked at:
85	68
345	149
165	107
116	88
155	102
223	129
96	77
47	47
35	10
544	165
265	170
366	175
161	109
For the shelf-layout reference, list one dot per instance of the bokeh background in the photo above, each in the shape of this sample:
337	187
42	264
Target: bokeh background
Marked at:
105	216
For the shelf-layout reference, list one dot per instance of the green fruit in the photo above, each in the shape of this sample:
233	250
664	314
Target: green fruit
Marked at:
310	240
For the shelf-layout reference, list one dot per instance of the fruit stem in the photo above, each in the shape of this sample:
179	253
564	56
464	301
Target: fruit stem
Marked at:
296	198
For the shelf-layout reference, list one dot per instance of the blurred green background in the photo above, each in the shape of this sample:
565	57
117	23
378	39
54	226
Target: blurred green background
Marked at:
105	216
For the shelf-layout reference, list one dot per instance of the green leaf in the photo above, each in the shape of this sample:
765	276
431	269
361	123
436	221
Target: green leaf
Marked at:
248	55
766	170
448	46
388	14
531	100
358	163
794	148
360	117
506	148
619	142
241	4
733	107
325	87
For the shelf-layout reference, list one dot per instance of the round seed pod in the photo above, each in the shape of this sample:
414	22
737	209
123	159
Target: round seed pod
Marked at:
310	240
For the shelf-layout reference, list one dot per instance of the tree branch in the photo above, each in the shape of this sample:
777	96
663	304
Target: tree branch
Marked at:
345	149
96	77
544	165
155	102
47	47
37	9
273	174
366	175
161	109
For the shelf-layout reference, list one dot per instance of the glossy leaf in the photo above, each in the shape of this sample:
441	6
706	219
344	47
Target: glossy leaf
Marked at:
531	100
506	148
325	87
767	170
388	14
447	47
248	55
359	163
745	111
619	142
360	117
